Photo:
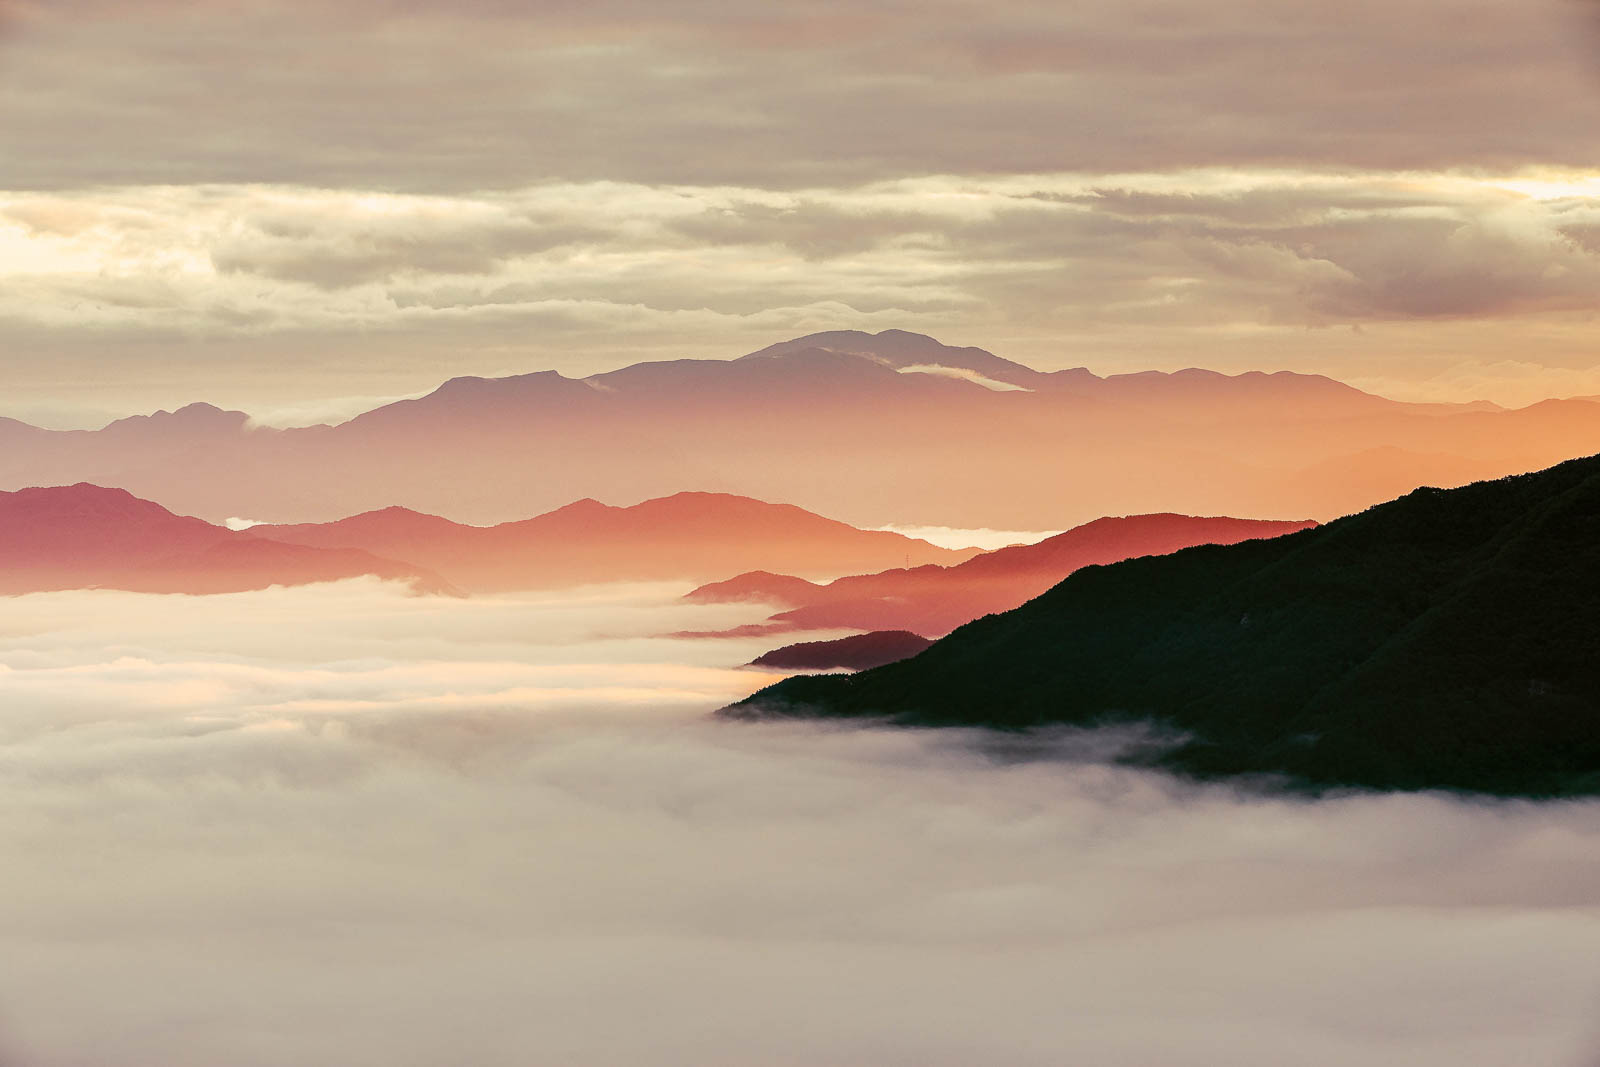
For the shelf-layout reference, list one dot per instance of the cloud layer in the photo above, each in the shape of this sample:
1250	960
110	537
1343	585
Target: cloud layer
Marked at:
229	286
400	95
401	831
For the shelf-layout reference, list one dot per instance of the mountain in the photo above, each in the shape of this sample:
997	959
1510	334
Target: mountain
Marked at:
684	536
858	652
854	425
1444	640
914	353
84	536
759	587
934	600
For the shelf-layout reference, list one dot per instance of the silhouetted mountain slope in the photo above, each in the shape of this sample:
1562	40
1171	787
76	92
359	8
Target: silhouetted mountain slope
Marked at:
934	600
85	536
857	652
848	424
684	536
1446	639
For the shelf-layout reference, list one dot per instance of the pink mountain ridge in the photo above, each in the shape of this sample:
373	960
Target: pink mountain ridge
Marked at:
691	536
83	536
933	600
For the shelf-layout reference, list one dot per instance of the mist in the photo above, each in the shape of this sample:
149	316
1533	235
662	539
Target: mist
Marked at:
344	825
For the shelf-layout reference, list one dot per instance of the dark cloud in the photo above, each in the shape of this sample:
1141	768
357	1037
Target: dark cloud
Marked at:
418	96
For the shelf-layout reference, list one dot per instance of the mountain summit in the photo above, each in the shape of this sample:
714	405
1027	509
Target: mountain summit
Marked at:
905	351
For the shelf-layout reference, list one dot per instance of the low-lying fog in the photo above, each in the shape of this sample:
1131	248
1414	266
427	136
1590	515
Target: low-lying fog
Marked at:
344	826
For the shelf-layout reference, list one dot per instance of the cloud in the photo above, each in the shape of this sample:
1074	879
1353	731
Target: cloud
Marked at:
961	374
404	96
335	245
1314	247
986	539
336	824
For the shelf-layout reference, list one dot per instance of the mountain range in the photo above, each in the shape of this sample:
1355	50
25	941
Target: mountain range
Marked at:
85	536
933	600
853	425
686	536
1447	639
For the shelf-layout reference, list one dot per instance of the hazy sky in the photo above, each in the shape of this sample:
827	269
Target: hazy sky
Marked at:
341	825
300	208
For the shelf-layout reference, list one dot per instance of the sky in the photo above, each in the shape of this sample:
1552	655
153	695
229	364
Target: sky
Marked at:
341	824
302	210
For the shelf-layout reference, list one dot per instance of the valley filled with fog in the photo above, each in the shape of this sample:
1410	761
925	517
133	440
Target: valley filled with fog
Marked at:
343	824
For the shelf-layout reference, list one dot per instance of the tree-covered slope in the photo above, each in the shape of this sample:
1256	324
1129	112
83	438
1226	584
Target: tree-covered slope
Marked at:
1450	638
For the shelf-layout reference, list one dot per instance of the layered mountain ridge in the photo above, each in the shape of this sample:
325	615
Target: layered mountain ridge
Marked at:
848	424
87	536
686	536
933	600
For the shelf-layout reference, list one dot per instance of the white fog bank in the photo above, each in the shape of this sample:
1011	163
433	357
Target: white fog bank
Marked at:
344	826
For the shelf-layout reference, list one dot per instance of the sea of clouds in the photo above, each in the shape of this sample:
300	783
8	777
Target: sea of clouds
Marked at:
342	825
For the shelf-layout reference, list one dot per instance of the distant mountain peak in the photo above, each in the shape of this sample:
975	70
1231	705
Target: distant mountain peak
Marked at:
197	415
473	382
901	349
84	498
586	506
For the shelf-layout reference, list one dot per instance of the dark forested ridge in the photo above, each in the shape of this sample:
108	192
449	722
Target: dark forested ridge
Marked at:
858	652
1447	639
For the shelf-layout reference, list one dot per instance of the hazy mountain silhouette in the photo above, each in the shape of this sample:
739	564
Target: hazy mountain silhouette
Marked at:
1445	639
84	536
934	600
683	536
872	428
857	652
